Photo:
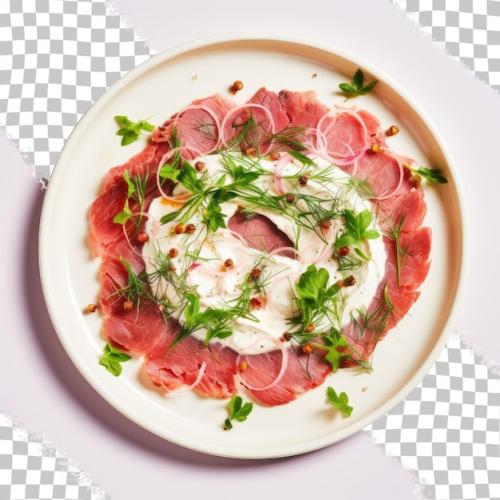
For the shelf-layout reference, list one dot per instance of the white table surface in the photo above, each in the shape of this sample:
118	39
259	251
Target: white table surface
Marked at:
41	386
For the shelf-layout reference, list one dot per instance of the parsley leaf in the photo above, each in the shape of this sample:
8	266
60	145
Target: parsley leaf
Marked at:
339	401
237	410
213	216
124	215
431	175
356	87
112	359
312	292
356	231
129	130
336	346
168	171
188	178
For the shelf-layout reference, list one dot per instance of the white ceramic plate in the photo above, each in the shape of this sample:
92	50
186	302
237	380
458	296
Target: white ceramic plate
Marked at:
163	85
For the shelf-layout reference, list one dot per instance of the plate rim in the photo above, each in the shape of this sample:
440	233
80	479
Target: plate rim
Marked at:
286	450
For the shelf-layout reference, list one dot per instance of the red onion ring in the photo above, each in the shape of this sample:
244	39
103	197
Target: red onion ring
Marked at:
240	108
401	176
198	379
127	239
354	115
281	373
278	174
212	115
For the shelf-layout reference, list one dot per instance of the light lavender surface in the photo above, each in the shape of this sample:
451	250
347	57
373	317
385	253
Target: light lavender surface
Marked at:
47	393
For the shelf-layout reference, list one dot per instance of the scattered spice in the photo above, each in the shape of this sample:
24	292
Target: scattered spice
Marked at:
200	166
172	268
229	264
325	224
250	151
91	308
350	280
173	252
190	229
236	86
255	273
179	229
127	305
392	130
255	303
375	148
314	75
309	328
274	156
303	179
142	237
286	337
364	389
307	349
290	198
243	366
343	251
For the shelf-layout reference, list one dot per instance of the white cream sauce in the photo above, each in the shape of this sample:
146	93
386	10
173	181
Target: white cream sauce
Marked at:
217	286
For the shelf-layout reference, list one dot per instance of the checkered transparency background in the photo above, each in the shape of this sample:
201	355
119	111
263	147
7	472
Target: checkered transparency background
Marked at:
58	56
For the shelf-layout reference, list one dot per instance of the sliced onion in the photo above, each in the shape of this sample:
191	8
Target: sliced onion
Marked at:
401	176
182	389
212	115
284	364
286	249
328	127
135	214
243	107
278	174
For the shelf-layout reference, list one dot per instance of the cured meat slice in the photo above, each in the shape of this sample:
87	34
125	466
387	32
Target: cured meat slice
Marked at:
140	330
259	232
303	372
345	133
405	211
141	164
302	108
271	101
182	363
413	254
198	126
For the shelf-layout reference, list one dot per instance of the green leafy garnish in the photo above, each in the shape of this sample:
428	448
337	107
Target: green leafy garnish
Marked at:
112	359
357	231
129	130
169	171
337	348
312	293
339	401
357	86
237	410
430	175
124	215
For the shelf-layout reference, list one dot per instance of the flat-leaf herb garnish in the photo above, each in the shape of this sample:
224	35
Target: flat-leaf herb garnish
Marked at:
112	358
357	86
136	191
129	130
429	175
238	410
357	230
339	401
